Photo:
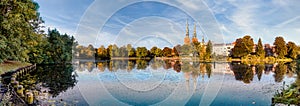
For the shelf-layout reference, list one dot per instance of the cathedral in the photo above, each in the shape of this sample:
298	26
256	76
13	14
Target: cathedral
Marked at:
187	40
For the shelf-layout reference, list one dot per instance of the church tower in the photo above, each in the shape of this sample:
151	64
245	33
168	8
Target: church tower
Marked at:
187	38
195	39
203	41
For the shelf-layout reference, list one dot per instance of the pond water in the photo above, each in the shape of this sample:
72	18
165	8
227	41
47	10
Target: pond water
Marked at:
160	82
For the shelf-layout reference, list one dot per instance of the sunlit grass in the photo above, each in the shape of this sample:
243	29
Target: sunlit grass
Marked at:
11	65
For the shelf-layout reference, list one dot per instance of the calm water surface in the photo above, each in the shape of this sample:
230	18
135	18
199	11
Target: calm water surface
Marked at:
157	82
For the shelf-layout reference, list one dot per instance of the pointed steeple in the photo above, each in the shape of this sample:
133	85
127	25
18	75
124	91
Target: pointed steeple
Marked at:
195	33
203	40
187	38
195	39
187	28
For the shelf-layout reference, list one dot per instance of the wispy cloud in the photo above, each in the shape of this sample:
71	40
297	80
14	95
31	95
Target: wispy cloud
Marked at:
260	19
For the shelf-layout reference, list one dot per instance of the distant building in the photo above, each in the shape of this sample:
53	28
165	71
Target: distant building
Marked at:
187	35
223	49
269	50
187	39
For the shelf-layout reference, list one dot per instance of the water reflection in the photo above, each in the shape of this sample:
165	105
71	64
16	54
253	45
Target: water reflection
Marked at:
128	80
194	69
49	81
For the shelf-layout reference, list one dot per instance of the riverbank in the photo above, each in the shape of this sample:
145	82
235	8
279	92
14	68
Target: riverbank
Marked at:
8	66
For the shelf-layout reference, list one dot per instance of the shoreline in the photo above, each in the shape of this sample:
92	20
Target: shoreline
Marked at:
265	60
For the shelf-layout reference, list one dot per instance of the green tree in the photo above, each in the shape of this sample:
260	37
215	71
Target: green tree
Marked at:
185	49
280	47
292	50
260	49
59	48
209	49
243	47
19	29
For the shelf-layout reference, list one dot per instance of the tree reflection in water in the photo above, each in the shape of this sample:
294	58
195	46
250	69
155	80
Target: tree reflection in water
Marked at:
56	78
280	71
242	72
289	94
246	73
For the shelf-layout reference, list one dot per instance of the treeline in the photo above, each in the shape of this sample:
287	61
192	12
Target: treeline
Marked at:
245	48
22	37
113	51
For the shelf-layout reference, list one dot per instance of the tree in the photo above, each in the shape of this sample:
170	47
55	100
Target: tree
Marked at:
166	52
175	51
202	52
141	52
155	51
292	50
59	48
280	71
131	50
260	50
123	51
114	51
102	52
280	47
185	49
243	47
209	49
19	29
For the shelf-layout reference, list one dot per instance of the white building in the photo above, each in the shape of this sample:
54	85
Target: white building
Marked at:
222	49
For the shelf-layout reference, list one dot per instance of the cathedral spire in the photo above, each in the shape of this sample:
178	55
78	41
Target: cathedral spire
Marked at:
187	28
195	33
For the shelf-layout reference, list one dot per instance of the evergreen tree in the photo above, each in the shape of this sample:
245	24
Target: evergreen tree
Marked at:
209	49
260	50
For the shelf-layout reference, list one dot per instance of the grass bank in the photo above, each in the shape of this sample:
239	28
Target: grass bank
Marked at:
11	65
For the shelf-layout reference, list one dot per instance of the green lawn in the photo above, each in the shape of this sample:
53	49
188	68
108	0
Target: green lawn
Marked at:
11	65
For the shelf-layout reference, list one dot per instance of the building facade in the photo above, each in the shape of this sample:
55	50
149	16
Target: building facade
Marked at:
223	49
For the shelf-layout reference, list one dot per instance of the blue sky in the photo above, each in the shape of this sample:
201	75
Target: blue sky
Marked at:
162	23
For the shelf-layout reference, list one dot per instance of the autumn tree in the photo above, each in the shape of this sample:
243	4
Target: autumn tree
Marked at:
243	47
102	52
155	51
260	49
141	52
280	47
175	52
130	50
202	51
292	50
166	52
